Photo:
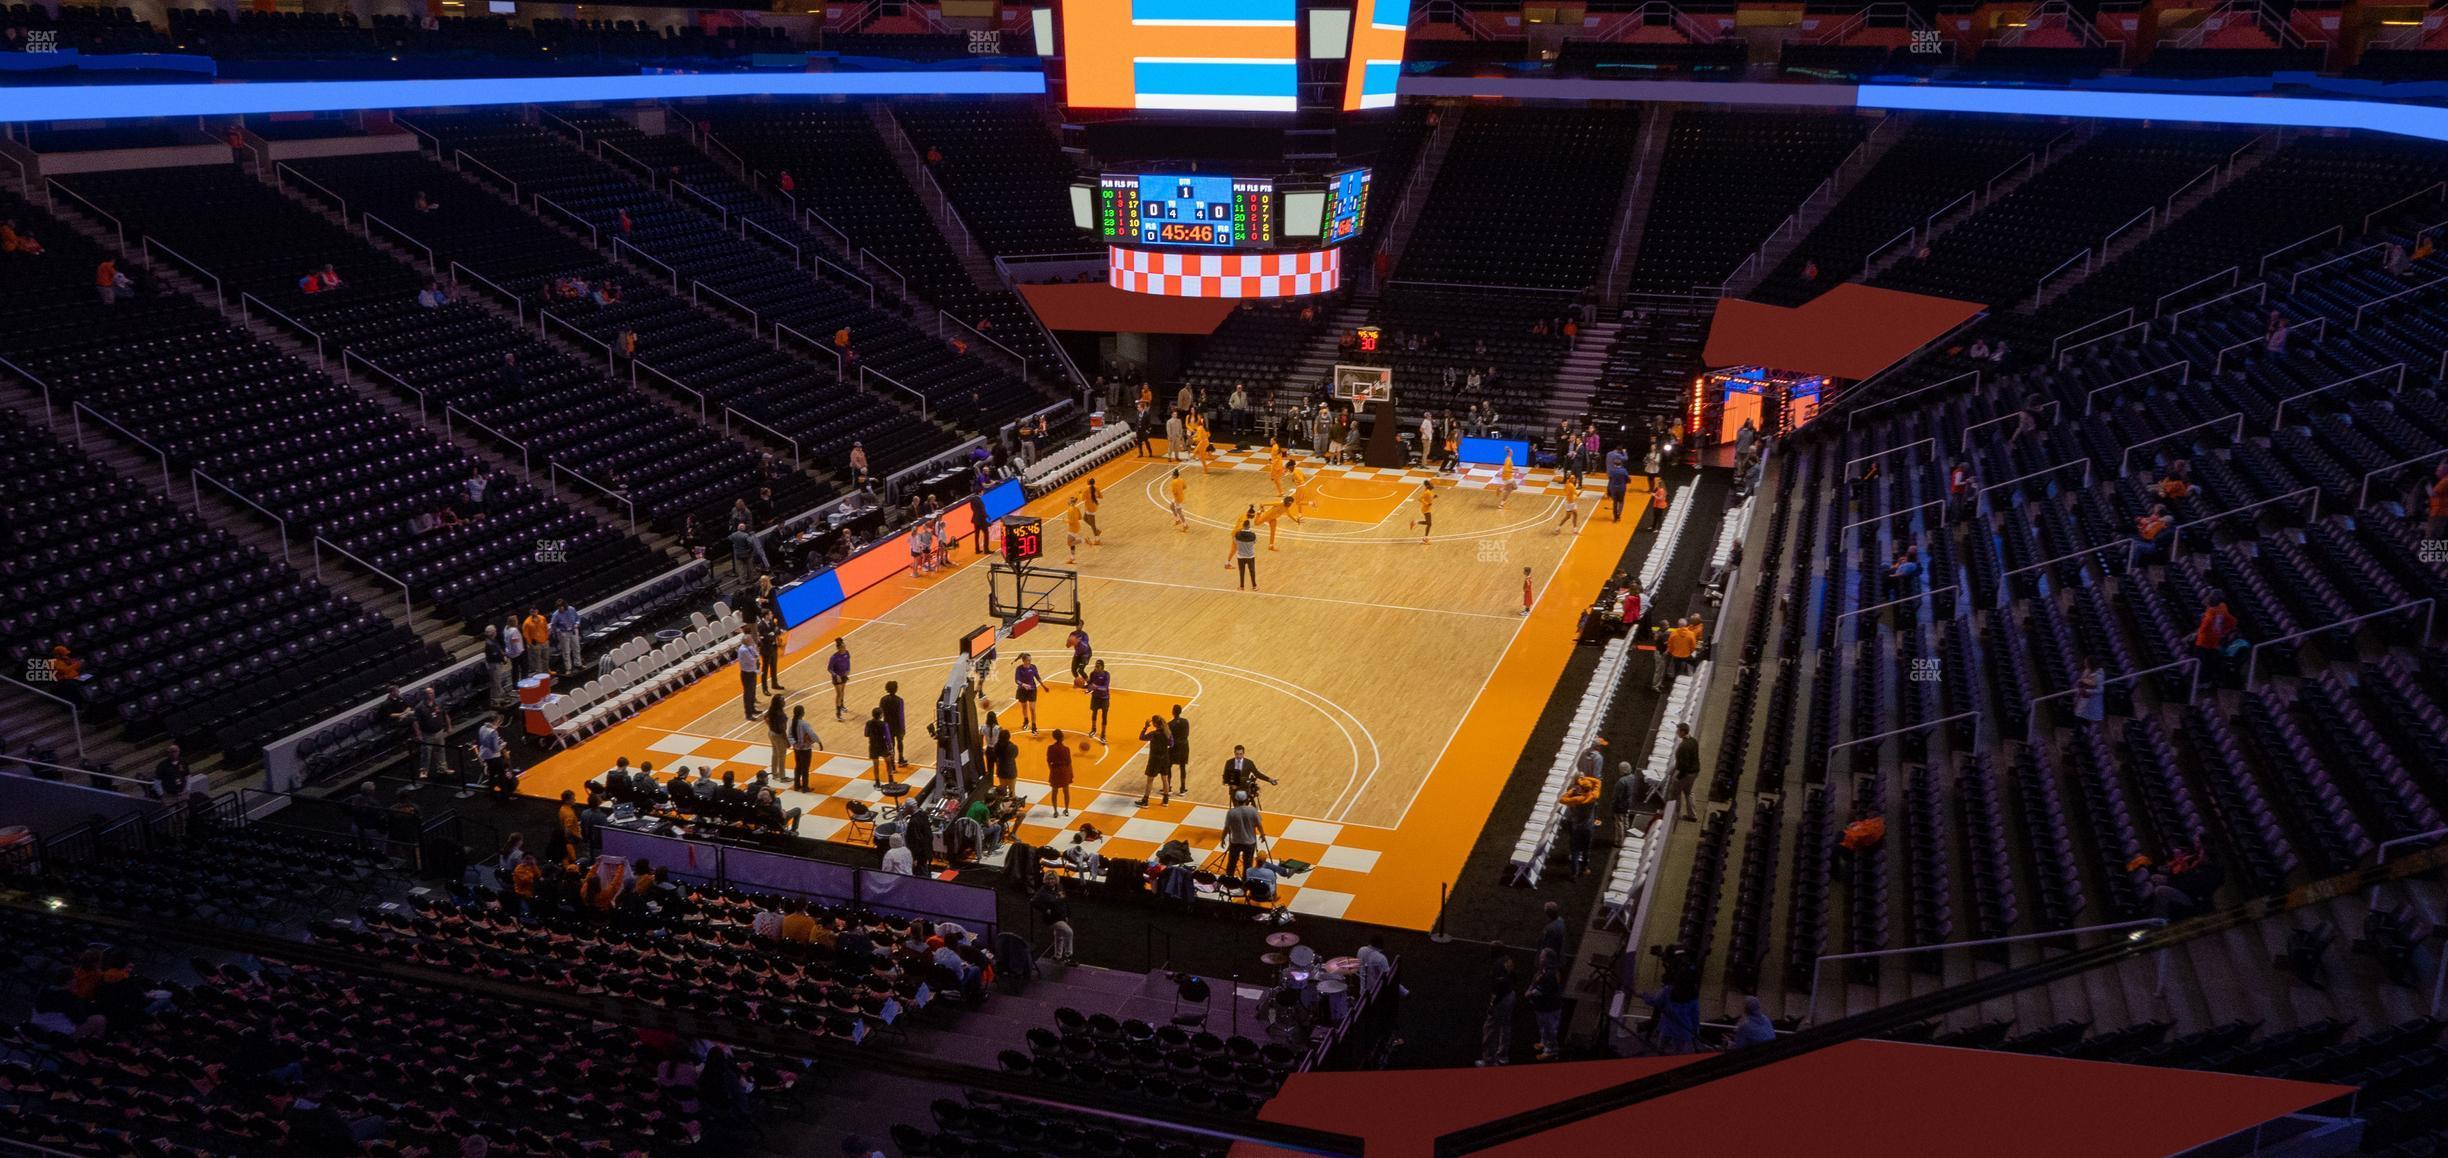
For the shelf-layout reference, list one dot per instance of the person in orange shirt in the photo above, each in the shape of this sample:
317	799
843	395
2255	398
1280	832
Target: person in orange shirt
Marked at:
66	668
1572	503
1269	516
1176	488
1426	521
537	631
2176	484
2436	525
106	281
1071	528
2216	634
2152	530
1088	507
573	834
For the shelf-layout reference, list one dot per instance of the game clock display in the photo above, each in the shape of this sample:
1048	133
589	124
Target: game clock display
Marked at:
1207	212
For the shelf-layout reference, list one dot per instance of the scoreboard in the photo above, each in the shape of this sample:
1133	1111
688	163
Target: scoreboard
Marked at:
1205	211
1347	207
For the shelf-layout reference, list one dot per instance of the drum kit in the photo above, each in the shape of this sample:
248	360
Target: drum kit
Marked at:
1303	980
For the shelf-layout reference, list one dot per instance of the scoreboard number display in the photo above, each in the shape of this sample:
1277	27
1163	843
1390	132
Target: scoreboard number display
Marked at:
1347	207
1023	539
1194	210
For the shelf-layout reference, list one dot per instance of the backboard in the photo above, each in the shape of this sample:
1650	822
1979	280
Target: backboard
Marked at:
1361	385
1050	593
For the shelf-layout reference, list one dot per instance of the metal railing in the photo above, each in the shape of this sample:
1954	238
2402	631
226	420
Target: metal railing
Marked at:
718	207
729	414
2385	299
407	600
2278	422
2053	406
196	478
553	472
2031	719
645	170
621	243
1989	188
2144	325
868	255
338	202
460	159
1875	404
2295	280
1811	1012
51	185
756	324
594	235
1851	462
526	467
2436	189
76	716
545	321
2148	219
2363	497
2091	398
2336	232
836	230
147	245
244	315
2040	286
944	316
820	347
2259	290
2209	174
924	409
2232	273
39	384
798	257
517	303
77	409
142	786
368	221
2005	586
1883	606
2152	443
2123	317
2252	654
2175	540
423	414
635	366
2044	472
2218	364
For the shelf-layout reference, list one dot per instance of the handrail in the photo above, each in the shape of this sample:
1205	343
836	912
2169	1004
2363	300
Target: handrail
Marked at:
2192	688
88	773
594	235
565	123
2380	854
2155	440
2208	174
866	254
756	324
2068	557
2186	379
2435	189
2295	280
526	467
1848	466
25	179
636	365
620	243
2144	325
1874	404
2387	298
1931	222
728	413
2252	655
2148	215
2363	497
78	424
76	716
2260	288
781	329
544	319
718	206
517	302
1924	725
147	243
39	384
2054	408
923	409
407	599
838	231
738	163
368	221
2263	271
294	324
2123	317
1896	514
196	477
51	183
459	157
2233	274
1989	187
346	353
2084	462
553	472
798	257
942	316
648	171
2041	286
279	167
1871	258
2279	421
847	273
1811	1012
2133	549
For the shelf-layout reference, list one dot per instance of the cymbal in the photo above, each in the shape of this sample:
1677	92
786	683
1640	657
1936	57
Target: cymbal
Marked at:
1303	955
1284	940
1271	958
1342	965
1333	985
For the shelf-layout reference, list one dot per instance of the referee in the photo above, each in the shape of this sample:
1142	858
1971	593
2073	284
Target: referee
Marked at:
1245	552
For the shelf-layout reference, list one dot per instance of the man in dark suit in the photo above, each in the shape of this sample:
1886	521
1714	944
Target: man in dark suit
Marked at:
728	799
682	790
1241	774
1180	751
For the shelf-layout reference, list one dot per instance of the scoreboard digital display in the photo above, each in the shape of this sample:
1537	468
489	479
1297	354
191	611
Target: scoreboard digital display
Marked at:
1347	205
1201	211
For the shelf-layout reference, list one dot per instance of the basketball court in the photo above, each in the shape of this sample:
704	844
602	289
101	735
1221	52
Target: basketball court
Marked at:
1388	686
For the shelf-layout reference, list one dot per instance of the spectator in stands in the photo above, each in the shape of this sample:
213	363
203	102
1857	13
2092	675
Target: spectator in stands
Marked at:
1753	1027
2177	482
1580	803
1496	1028
1959	491
431	297
1904	571
66	667
2435	521
171	774
2276	338
2152	530
512	381
423	203
568	831
514	645
108	281
1686	768
766	810
897	858
2216	638
1546	999
2090	691
14	239
1860	838
1866	482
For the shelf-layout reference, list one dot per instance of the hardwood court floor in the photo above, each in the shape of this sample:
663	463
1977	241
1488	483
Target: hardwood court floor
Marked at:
1389	686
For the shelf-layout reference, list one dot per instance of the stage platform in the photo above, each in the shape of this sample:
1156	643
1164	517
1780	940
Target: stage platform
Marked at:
1389	686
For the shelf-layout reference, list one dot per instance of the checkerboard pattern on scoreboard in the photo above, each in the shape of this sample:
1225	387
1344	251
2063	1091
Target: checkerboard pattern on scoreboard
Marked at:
1341	853
1225	275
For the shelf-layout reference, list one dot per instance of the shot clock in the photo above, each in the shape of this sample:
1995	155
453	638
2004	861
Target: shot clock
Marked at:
1023	538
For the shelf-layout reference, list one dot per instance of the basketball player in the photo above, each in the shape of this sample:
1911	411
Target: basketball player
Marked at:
1572	503
1271	515
1080	652
1025	681
1293	498
837	666
1528	593
1507	481
1071	529
1175	488
1275	468
1096	537
1426	521
1202	446
1100	701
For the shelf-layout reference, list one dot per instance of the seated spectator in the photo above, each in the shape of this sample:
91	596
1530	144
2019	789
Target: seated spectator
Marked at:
2152	530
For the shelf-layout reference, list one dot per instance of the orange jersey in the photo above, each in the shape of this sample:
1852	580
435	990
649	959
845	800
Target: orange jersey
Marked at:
1071	517
1177	488
1427	501
1089	501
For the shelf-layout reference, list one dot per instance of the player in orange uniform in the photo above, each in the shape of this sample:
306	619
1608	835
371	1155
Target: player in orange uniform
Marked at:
1572	503
1294	496
1270	515
1176	488
1071	528
1507	481
1426	521
1275	469
1202	446
1096	535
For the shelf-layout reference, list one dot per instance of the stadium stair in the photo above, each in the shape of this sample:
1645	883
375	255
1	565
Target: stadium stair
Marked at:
1398	228
2262	149
1807	216
974	258
1623	248
2013	179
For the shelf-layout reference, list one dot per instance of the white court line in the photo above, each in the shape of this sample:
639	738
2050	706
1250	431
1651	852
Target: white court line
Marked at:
1555	506
1306	598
